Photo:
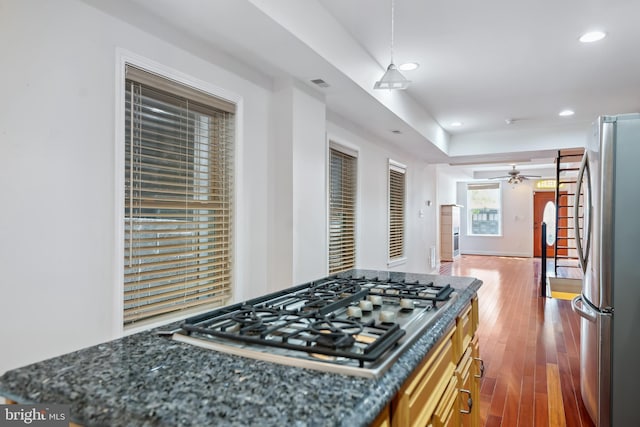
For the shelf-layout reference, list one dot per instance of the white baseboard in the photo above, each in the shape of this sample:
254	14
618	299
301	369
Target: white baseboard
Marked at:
494	253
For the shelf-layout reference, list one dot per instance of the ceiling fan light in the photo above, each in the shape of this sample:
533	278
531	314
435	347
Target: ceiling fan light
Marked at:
392	79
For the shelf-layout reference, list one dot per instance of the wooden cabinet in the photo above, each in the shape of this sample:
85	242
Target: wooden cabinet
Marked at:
416	401
447	414
477	372
467	371
464	375
444	390
384	418
449	232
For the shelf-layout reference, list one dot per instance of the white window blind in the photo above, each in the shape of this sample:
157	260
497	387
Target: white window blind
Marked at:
397	174
342	211
178	197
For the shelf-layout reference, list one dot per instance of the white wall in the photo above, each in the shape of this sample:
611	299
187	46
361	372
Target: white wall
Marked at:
309	186
447	179
57	169
422	218
59	248
565	136
280	188
372	215
297	174
517	224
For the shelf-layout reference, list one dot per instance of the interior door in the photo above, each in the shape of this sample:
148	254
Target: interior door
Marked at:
540	201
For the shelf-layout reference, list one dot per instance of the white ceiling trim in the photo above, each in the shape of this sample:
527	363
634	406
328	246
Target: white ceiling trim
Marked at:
313	25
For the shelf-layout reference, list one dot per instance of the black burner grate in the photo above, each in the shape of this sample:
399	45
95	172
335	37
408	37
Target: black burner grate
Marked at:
311	318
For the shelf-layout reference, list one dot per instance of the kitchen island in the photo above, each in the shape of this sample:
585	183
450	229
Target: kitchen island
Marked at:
149	380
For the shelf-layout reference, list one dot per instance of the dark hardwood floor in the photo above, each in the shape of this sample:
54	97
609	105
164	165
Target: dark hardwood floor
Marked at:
530	346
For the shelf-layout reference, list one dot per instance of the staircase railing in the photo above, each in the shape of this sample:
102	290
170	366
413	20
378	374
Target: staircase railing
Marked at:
565	255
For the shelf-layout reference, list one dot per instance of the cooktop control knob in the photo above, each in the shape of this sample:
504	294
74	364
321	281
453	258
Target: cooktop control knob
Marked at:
366	305
376	300
354	312
407	304
387	316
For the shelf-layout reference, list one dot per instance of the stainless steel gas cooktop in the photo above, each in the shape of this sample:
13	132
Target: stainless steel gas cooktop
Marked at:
351	325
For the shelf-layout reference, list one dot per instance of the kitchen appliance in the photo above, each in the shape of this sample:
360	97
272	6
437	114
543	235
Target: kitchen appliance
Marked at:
346	323
609	305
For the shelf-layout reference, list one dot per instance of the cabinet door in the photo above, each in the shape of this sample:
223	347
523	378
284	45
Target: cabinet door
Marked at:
467	406
477	371
447	413
383	419
419	396
464	332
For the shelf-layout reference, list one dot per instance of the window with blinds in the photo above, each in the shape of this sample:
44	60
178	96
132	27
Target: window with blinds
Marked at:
397	189
342	211
178	201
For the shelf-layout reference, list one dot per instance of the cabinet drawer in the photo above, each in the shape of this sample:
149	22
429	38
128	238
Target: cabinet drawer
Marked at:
463	370
418	398
475	314
464	332
446	413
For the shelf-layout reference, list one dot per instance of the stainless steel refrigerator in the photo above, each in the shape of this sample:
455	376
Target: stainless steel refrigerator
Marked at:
608	248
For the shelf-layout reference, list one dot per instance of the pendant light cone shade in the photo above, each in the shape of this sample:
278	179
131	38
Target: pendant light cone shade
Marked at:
392	79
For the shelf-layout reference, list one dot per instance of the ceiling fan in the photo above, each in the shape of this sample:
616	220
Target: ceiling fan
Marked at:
514	176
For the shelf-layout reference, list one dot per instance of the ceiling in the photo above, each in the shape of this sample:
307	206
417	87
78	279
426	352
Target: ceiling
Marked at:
483	62
503	68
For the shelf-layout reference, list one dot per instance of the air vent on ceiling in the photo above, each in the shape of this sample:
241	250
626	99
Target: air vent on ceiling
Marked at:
320	83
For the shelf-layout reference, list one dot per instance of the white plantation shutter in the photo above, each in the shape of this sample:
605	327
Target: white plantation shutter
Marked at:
397	175
342	211
178	197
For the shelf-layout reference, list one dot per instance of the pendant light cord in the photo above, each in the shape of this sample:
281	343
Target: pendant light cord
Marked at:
392	26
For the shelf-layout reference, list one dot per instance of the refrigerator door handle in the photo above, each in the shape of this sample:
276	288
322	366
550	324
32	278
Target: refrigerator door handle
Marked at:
583	310
583	252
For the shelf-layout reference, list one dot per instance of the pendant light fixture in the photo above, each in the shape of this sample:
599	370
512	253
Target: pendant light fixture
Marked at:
392	78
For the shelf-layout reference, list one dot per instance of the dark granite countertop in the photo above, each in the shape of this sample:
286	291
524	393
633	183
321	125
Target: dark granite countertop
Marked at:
149	380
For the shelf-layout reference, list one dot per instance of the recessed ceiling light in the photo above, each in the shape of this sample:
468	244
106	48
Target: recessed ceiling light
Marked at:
456	124
565	113
592	36
408	66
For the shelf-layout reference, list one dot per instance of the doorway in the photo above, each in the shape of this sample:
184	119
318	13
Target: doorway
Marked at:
545	202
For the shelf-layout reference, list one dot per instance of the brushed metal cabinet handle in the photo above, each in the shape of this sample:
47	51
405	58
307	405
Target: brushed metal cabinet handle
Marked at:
469	401
481	367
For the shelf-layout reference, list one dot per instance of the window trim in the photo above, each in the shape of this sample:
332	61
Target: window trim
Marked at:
124	58
469	209
402	259
352	151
